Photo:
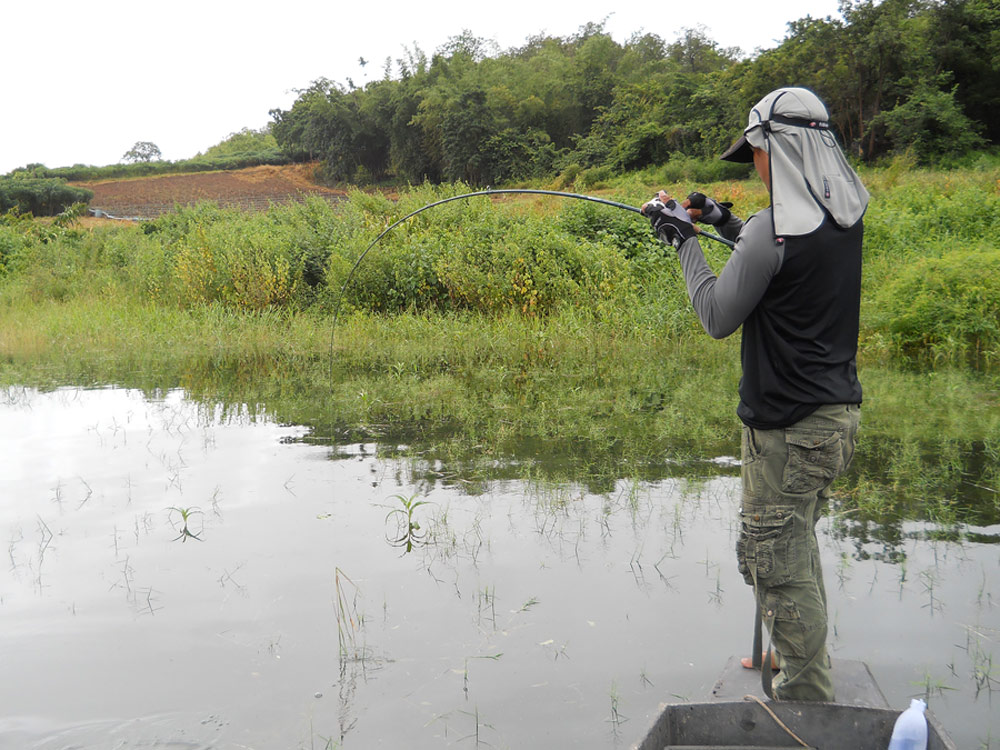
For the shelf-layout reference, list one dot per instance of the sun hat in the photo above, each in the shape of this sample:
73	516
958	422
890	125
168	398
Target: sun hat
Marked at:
810	176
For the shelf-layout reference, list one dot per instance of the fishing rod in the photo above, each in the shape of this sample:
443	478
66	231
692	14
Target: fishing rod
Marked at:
463	196
488	191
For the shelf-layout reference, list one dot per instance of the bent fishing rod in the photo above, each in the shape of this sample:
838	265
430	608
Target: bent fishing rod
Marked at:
463	196
488	191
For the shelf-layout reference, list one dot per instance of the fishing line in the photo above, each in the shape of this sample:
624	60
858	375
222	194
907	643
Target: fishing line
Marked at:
506	191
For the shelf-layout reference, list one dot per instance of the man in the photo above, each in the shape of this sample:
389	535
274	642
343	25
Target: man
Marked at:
793	282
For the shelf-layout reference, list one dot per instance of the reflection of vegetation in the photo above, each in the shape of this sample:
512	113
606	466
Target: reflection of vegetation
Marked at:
616	718
350	621
985	674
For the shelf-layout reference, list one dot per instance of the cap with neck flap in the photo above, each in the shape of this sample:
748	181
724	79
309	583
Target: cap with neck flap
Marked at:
810	177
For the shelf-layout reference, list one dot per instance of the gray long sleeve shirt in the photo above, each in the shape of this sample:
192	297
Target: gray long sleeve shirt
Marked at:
798	301
722	303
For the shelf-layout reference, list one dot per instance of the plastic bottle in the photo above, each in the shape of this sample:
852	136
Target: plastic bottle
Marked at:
910	731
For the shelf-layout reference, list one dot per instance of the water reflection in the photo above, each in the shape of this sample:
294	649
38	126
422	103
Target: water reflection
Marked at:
337	585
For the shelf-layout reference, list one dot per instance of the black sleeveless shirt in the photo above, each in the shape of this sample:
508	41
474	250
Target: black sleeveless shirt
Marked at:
800	342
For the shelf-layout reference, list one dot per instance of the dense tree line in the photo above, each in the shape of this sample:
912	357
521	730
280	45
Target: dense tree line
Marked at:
897	74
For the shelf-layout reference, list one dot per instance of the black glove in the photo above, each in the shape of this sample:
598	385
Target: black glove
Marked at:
671	223
712	212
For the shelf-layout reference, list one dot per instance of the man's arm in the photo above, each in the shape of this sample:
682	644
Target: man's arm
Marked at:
722	303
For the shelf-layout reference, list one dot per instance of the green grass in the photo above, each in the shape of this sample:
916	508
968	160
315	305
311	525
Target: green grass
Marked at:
543	338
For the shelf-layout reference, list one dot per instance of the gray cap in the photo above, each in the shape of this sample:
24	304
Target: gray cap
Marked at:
790	106
810	179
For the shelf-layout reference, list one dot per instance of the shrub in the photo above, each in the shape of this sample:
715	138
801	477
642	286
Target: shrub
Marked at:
595	177
931	124
629	232
41	197
681	167
945	307
12	242
567	177
246	264
473	255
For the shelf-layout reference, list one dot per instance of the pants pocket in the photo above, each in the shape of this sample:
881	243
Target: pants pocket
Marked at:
815	458
765	547
753	465
788	631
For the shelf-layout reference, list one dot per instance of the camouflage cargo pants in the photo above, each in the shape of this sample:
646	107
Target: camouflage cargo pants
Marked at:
786	478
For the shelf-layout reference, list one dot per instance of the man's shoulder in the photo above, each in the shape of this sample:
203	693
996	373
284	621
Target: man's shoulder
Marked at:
758	230
759	222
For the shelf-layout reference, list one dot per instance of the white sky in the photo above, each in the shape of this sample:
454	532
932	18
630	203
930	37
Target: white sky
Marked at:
82	82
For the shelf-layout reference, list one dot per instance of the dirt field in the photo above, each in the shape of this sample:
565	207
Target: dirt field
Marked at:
253	188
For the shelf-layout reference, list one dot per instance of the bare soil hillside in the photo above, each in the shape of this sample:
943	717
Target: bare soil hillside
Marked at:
252	188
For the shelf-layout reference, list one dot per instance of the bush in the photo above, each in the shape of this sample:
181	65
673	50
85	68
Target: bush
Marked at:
472	255
681	167
945	308
248	264
243	143
567	177
591	222
931	124
595	177
41	197
12	242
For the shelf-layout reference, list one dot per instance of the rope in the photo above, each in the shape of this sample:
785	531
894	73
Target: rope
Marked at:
778	721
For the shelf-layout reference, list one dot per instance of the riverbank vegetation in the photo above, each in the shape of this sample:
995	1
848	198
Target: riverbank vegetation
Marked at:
519	335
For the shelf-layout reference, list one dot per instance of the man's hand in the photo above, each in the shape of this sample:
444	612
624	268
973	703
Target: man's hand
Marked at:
702	208
669	219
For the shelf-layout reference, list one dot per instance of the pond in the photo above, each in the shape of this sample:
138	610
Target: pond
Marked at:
189	575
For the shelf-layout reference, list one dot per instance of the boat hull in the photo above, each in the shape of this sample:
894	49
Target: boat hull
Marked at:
746	724
736	718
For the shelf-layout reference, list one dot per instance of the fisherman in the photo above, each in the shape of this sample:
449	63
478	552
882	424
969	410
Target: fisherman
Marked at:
794	283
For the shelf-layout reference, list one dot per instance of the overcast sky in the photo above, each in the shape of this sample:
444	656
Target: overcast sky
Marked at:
82	82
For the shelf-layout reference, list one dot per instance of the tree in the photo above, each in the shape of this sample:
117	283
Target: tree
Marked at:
894	73
245	141
930	122
142	151
887	57
965	37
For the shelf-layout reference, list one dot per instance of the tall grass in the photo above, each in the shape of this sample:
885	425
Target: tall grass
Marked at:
932	262
495	328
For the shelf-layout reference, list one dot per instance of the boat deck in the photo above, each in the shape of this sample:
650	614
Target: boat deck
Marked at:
853	684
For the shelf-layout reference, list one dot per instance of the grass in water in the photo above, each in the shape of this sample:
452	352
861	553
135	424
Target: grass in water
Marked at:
546	340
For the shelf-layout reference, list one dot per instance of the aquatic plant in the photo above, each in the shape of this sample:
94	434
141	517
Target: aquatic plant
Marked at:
406	533
186	516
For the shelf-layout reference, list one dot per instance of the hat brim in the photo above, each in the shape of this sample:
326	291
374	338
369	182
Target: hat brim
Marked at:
741	151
